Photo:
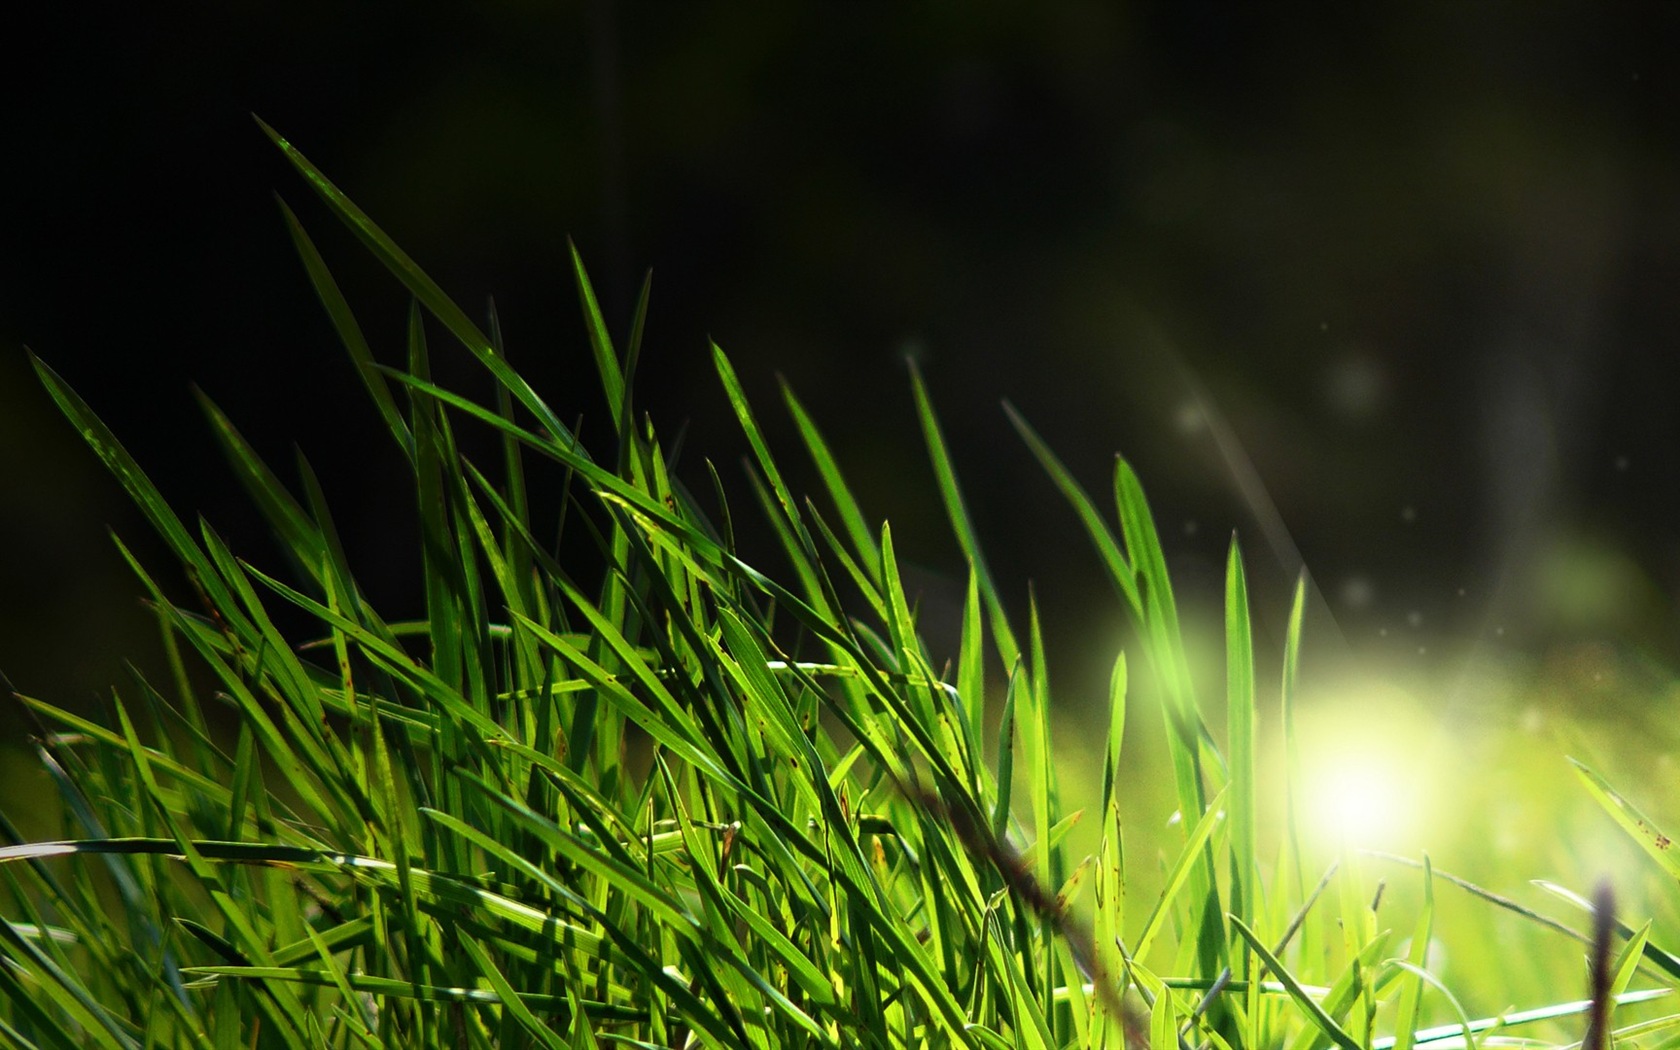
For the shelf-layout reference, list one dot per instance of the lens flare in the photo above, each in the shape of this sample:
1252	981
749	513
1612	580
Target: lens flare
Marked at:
1369	755
1360	799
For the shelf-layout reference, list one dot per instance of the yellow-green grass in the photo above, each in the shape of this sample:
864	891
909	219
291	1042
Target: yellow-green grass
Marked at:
665	797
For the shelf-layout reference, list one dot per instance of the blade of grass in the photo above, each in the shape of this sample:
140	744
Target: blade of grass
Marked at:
1656	844
349	330
1660	959
851	515
1240	720
421	286
1119	569
600	343
1520	1017
955	509
1315	1013
1411	993
1176	879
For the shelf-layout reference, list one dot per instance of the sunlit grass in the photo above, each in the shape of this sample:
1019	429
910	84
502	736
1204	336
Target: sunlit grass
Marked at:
667	795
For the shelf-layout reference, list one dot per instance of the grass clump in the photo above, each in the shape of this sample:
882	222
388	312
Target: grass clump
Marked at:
688	804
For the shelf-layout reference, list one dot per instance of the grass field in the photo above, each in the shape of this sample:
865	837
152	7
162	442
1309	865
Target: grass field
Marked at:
658	796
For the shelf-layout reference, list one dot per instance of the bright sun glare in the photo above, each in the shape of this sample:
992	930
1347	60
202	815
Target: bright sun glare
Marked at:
1368	759
1360	800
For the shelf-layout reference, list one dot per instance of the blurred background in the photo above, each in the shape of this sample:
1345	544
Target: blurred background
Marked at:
1390	292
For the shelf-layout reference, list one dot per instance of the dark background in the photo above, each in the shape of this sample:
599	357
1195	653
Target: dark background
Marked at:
1390	288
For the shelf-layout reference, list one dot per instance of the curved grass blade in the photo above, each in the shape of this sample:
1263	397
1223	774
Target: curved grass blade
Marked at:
511	1000
1189	856
1660	958
1420	977
1520	1017
421	286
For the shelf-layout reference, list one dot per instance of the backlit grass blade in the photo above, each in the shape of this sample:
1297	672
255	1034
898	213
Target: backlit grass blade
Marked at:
1240	759
1110	883
1163	1020
810	584
868	586
1114	741
607	483
1660	958
1627	962
395	837
295	752
747	981
288	518
1421	977
1291	860
761	451
1651	839
349	330
421	286
600	343
971	669
61	991
138	486
1161	632
1008	732
957	511
339	976
851	515
1411	993
439	570
392	657
1120	570
1361	979
387	988
1185	730
1188	858
1520	1017
1049	863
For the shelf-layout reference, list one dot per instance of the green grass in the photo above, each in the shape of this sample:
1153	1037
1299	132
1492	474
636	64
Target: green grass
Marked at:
664	797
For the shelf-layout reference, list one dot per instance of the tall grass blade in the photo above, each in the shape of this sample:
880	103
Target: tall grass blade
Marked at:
1411	993
1240	731
349	330
600	343
421	286
957	511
